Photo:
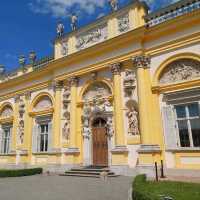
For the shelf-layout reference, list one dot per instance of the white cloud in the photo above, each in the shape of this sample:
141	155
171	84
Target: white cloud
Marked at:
63	8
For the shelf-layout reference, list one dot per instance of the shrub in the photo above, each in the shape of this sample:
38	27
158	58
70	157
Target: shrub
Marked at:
20	172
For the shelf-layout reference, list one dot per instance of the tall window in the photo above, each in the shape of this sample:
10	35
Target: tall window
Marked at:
5	140
43	137
42	132
188	124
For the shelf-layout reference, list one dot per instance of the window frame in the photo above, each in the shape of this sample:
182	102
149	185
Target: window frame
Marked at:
45	135
6	140
188	119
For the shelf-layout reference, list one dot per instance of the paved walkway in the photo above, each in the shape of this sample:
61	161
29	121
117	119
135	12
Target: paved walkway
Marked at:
64	188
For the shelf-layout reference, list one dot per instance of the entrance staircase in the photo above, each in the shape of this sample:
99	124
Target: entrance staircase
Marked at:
92	172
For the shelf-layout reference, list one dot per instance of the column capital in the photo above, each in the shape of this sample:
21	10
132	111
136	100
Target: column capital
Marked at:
57	85
17	98
73	81
141	61
27	95
116	68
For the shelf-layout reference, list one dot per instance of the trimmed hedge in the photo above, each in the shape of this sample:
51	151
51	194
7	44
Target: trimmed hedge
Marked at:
151	190
20	172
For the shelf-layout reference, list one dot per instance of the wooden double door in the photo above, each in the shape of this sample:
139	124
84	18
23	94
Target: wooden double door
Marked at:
100	143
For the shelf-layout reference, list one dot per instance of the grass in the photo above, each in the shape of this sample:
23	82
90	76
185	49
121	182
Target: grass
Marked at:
149	190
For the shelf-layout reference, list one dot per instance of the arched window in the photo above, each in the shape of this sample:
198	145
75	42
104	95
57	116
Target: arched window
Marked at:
6	129
42	129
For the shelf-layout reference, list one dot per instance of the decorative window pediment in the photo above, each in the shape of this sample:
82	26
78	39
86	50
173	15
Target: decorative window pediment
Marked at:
97	90
45	103
180	70
6	112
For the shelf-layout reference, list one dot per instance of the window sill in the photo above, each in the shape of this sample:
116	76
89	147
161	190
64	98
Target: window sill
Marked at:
47	153
8	154
184	150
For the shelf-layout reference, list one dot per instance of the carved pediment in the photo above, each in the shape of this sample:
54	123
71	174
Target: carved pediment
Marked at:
97	90
6	112
45	103
180	70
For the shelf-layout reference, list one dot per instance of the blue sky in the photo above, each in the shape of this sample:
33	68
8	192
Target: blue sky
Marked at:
28	25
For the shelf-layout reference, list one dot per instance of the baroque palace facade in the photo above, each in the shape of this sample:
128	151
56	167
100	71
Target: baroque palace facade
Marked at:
122	92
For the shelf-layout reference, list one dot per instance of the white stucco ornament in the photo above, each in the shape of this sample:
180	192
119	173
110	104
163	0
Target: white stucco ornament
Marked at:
181	70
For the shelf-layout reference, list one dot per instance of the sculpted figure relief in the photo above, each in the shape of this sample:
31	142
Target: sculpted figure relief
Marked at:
133	125
113	4
60	29
181	70
74	20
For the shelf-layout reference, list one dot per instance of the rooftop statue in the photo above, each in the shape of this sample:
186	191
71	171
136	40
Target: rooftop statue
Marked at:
74	20
114	4
60	29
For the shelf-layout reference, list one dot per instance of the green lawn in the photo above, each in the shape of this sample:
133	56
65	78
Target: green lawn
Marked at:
149	190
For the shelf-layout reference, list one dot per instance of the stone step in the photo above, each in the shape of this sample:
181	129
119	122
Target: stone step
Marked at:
87	172
90	170
86	175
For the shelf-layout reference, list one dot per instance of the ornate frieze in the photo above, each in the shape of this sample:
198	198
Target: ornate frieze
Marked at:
129	82
66	112
181	70
21	122
116	68
92	37
123	23
142	61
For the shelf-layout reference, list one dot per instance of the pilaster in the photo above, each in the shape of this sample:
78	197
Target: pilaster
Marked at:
73	149
15	123
57	115
120	151
148	149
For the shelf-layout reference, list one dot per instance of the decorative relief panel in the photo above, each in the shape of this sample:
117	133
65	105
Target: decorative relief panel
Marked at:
97	90
66	113
123	23
21	122
7	112
64	48
129	82
92	37
44	104
181	70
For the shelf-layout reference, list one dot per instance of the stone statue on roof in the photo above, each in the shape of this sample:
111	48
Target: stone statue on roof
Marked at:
74	20
114	4
60	29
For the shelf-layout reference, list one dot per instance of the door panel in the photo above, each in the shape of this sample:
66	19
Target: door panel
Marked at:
100	147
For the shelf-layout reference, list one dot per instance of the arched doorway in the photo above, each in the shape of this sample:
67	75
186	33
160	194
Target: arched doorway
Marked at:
99	142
